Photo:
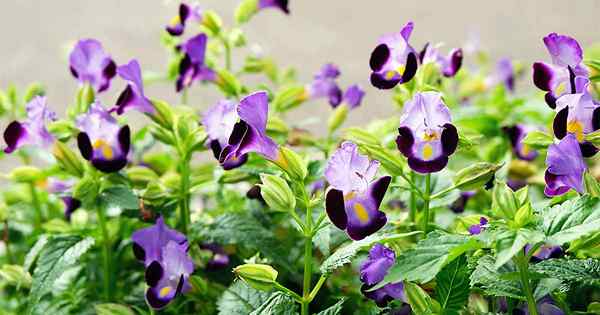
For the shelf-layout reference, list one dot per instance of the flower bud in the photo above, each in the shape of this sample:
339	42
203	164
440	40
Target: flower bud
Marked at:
228	83
68	160
337	118
85	97
33	90
521	169
291	163
504	201
289	97
524	215
258	276
26	174
276	193
475	176
140	175
245	10
163	114
212	21
361	136
390	161
591	185
237	38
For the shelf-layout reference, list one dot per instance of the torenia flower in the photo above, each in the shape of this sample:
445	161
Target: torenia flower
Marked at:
544	252
219	260
566	74
249	134
374	269
133	95
503	74
219	121
516	134
565	167
101	140
62	188
426	135
476	229
393	61
168	265
186	13
32	131
578	115
279	4
353	96
449	65
192	67
90	64
324	85
352	203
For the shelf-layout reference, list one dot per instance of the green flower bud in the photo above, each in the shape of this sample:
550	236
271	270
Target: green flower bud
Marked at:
521	169
337	118
163	114
26	174
33	90
68	160
245	10
291	163
140	175
391	162
289	97
276	193
16	275
591	184
258	276
524	216
504	201
361	136
63	129
236	37
212	21
85	98
228	83
475	176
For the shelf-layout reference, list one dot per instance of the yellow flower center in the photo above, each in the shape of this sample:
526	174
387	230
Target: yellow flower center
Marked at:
561	88
164	292
576	128
361	213
105	148
526	149
427	151
349	196
175	20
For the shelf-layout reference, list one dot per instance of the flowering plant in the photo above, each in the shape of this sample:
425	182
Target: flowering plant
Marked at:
474	198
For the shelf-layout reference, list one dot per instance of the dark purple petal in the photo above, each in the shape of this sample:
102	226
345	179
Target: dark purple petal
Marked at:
334	205
90	64
559	125
379	57
154	300
85	145
71	204
411	67
133	96
425	167
550	100
139	252
542	76
449	139
153	273
378	189
588	149
13	135
379	81
405	141
279	4
153	239
454	63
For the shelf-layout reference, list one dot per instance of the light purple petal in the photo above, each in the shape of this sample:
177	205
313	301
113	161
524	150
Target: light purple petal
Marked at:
353	96
565	50
219	120
380	260
90	64
132	73
348	171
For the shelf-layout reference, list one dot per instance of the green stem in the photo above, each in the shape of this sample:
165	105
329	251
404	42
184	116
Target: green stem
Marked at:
35	201
227	55
307	254
523	266
426	203
105	253
317	287
291	293
413	202
184	194
184	96
6	238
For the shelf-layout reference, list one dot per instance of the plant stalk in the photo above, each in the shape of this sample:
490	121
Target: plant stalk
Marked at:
523	266
307	255
35	201
105	253
426	203
184	197
412	215
6	238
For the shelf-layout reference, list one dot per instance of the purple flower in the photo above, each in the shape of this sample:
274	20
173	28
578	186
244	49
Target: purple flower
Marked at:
565	167
458	206
168	265
101	140
566	74
516	134
279	4
544	306
90	64
393	61
133	95
219	260
249	134
476	229
374	269
32	131
63	189
353	96
426	135
324	85
219	121
192	67
449	65
352	203
577	114
503	74
186	13
545	252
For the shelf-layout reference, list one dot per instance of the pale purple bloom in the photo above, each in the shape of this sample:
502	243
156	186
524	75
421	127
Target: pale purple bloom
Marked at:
565	167
566	74
516	134
218	122
250	133
544	252
427	136
449	65
133	96
168	265
353	201
503	74
544	306
324	85
90	64
577	114
101	140
353	96
219	260
279	4
62	188
476	229
192	67
32	131
374	269
393	61
185	13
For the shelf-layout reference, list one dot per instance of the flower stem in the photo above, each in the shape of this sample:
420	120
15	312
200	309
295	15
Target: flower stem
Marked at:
227	55
35	201
184	196
289	292
184	96
413	202
105	253
523	267
307	254
6	238
426	203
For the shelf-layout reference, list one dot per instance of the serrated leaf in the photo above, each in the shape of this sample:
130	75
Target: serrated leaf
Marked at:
113	309
420	302
34	252
119	197
322	240
240	299
277	304
509	243
344	254
335	309
60	253
452	286
570	270
571	220
488	278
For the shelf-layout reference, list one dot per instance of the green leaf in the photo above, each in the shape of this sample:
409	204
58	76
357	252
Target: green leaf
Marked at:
509	243
335	309
452	286
60	253
571	220
34	252
423	262
420	302
487	277
15	275
86	190
344	254
322	240
113	309
277	304
570	270
592	186
240	299
119	197
538	139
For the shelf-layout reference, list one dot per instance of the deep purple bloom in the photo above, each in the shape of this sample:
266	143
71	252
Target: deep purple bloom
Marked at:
449	65
133	95
545	252
577	114
426	135
279	4
186	13
324	85
192	67
393	61
476	229
218	122
374	269
32	131
101	140
565	167
90	64
503	74
516	134
219	260
544	306
353	96
249	134
458	206
566	74
168	265
63	188
352	203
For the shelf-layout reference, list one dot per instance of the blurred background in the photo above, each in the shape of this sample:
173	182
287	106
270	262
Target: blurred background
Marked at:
37	35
